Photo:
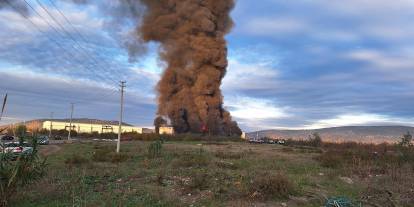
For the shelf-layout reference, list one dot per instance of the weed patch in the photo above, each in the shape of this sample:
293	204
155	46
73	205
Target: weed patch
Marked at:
266	186
330	160
191	159
107	154
229	155
76	160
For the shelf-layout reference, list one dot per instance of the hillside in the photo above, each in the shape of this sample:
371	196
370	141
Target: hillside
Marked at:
375	134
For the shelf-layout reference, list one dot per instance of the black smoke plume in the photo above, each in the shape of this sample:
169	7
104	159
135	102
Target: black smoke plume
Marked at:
191	34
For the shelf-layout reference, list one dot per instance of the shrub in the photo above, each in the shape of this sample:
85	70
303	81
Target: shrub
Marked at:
25	170
315	140
154	149
269	185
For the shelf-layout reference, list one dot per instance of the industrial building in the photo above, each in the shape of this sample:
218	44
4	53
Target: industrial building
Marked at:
84	126
166	130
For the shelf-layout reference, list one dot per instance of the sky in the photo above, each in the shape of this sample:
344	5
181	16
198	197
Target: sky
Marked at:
300	64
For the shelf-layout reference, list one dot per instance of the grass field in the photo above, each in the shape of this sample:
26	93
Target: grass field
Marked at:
216	174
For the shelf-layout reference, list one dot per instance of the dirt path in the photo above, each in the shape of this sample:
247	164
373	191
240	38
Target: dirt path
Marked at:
49	150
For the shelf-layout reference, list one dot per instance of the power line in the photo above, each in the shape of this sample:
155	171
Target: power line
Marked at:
57	98
53	28
48	37
72	26
69	34
58	44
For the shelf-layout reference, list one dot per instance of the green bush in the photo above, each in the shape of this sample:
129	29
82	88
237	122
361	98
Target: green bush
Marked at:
155	149
14	174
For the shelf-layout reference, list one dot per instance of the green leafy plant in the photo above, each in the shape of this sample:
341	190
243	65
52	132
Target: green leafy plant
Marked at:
26	169
155	149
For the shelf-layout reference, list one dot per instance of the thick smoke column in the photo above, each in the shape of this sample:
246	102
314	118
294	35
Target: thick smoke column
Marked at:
191	33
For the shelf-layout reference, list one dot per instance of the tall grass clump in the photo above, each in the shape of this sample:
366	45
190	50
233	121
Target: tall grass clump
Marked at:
155	149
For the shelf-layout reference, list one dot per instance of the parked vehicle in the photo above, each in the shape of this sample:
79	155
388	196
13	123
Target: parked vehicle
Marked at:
57	137
16	148
256	141
7	138
43	140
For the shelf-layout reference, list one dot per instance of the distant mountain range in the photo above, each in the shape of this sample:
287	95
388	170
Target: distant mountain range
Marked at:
366	134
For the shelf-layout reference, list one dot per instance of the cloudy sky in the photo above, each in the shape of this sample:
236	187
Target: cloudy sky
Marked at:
293	64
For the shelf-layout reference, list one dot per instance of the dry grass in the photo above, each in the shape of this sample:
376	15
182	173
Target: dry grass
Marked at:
270	185
108	154
228	174
76	160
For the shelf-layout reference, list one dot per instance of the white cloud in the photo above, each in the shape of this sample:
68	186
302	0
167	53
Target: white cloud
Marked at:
333	20
382	60
254	109
251	76
144	73
274	26
359	119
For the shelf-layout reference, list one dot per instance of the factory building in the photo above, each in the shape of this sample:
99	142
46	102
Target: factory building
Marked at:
84	126
166	130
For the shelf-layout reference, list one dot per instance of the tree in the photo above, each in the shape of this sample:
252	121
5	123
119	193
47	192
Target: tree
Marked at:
406	140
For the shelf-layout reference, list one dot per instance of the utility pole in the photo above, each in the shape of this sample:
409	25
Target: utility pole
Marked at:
118	146
71	117
51	125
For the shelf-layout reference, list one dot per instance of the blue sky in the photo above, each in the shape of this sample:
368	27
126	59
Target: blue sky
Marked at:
293	64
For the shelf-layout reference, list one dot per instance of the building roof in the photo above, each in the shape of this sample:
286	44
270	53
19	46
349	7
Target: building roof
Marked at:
84	121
